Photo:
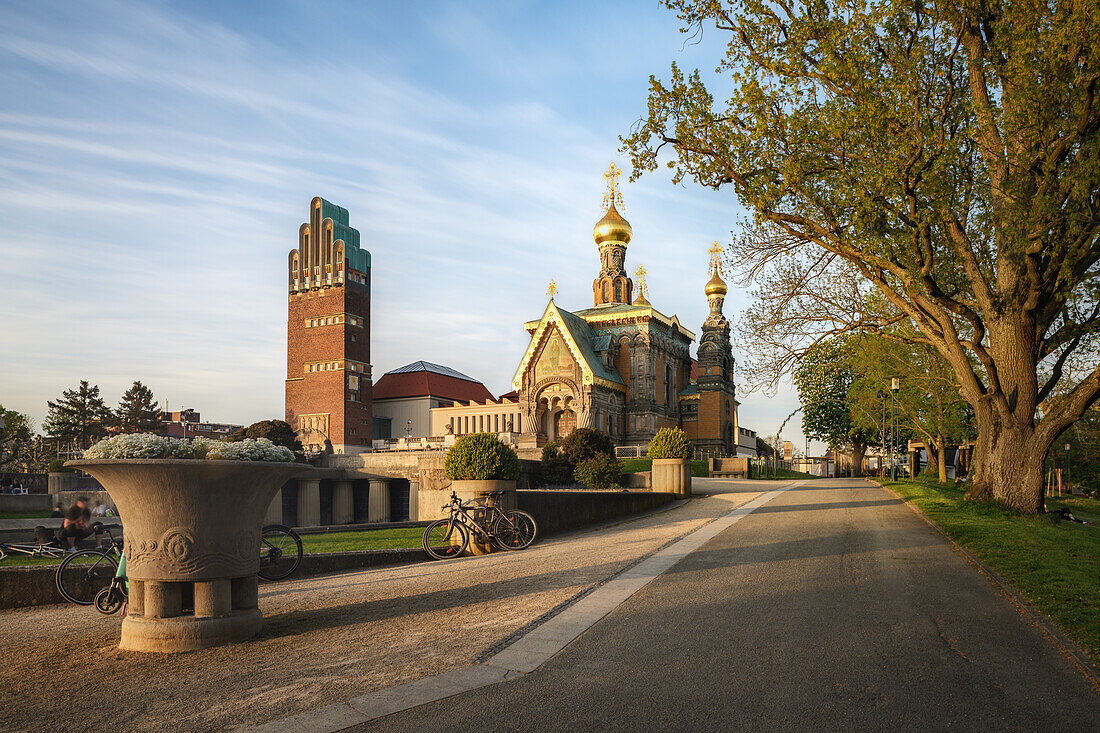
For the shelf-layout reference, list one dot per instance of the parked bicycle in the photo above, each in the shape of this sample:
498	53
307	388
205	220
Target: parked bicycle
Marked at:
44	545
510	529
89	576
280	552
84	573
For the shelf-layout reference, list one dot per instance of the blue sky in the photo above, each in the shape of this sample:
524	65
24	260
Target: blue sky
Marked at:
156	159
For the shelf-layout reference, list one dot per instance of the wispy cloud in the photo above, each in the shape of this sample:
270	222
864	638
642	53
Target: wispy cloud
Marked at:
155	164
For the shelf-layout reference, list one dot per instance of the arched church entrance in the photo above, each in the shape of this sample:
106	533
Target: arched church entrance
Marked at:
565	422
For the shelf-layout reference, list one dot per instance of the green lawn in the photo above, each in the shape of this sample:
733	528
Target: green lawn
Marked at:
638	465
1053	564
24	515
371	539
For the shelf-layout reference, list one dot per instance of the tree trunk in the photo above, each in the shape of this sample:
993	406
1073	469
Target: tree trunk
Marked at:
941	458
1008	466
859	450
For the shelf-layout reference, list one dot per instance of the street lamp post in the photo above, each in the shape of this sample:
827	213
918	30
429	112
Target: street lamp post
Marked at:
895	385
408	429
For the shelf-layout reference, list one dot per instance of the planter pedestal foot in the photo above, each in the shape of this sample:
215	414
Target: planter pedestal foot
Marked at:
188	633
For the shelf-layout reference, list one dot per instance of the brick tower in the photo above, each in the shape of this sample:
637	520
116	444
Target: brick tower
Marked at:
717	426
328	380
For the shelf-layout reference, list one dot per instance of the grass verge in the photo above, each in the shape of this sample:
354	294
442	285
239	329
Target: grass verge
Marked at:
24	515
1053	564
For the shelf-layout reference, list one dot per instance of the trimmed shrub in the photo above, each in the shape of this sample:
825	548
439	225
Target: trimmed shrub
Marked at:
585	443
57	465
481	457
671	443
556	470
601	471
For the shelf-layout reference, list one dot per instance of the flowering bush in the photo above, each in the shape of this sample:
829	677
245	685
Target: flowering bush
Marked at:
145	445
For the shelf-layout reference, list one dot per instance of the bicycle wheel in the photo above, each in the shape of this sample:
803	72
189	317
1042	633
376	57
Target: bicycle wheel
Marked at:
83	574
514	530
280	552
109	600
445	538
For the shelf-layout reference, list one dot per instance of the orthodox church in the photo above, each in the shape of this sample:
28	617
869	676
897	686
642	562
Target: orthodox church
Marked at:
624	367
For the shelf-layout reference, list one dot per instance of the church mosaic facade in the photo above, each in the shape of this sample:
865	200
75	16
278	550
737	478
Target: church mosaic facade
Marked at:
623	366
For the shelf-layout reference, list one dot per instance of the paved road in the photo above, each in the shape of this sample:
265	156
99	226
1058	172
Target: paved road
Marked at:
833	607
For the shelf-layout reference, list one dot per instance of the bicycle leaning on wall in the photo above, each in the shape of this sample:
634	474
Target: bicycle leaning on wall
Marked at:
507	529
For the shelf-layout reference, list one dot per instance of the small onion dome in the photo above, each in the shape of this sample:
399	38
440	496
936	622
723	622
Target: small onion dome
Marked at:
715	286
641	300
612	228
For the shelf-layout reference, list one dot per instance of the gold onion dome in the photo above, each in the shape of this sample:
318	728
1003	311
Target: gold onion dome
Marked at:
715	286
612	228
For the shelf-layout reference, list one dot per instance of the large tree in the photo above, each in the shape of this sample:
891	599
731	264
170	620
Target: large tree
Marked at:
16	438
945	156
137	410
80	416
928	404
824	376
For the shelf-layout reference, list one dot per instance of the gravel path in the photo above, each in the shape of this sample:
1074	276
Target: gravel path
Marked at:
324	639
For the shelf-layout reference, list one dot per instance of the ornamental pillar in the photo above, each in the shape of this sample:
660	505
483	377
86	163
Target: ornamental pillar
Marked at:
309	502
378	501
343	502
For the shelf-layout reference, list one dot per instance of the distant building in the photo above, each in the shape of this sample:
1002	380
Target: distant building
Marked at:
328	380
187	423
404	398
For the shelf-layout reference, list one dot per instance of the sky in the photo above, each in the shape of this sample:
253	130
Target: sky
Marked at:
157	159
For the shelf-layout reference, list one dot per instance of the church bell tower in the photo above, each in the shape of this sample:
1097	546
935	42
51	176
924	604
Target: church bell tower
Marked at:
718	426
612	234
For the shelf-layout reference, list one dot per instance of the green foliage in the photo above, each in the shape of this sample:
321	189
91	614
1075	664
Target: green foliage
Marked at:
601	471
671	443
15	437
823	376
924	165
278	432
137	410
57	465
585	443
79	416
481	457
555	468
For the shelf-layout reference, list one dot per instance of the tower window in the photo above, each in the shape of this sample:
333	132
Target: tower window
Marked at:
619	291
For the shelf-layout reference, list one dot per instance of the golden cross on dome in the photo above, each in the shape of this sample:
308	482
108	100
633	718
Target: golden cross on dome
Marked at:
643	288
552	289
715	250
612	196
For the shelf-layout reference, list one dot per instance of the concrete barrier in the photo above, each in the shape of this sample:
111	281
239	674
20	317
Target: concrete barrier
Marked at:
560	511
25	502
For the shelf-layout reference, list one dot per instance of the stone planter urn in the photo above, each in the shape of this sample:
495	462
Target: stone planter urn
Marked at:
192	542
479	490
672	475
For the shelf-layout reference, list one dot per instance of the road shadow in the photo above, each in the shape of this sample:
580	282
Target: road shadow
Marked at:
769	508
349	614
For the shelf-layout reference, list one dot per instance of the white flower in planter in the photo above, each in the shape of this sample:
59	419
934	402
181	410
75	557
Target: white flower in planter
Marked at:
146	445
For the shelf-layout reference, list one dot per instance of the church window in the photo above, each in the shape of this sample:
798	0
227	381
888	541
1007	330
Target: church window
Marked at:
618	291
606	291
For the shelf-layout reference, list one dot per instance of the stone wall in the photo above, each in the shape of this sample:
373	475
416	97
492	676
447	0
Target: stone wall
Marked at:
25	502
559	511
